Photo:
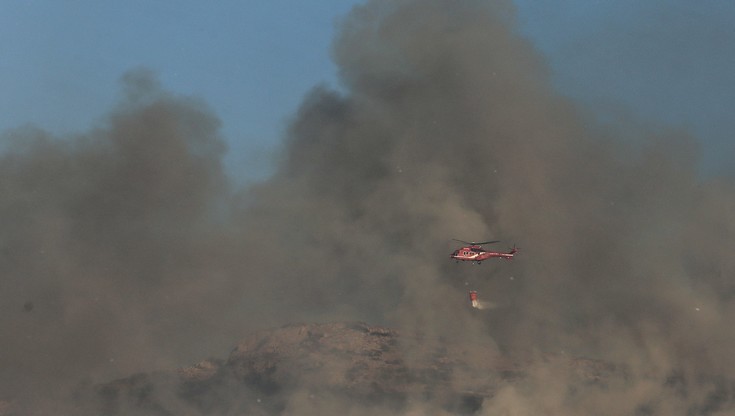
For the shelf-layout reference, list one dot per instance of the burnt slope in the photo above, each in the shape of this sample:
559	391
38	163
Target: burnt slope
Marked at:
331	367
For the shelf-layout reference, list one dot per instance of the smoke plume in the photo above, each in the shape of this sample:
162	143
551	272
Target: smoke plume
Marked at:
126	249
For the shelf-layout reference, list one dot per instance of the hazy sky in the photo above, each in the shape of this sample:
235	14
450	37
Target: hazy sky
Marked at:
252	62
125	249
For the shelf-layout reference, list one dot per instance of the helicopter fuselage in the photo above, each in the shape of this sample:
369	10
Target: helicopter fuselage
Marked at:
478	254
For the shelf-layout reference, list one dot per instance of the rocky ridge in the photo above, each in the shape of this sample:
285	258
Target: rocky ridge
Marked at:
352	364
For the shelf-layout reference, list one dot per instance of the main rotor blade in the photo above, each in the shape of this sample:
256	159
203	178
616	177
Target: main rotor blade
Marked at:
476	244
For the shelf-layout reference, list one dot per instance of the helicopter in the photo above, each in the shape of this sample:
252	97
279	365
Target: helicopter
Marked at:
475	253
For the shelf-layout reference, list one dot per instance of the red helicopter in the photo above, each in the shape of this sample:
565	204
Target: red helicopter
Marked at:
475	253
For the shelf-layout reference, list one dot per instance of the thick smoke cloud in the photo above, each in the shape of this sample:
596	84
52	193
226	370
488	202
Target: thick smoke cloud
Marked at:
134	253
107	240
449	127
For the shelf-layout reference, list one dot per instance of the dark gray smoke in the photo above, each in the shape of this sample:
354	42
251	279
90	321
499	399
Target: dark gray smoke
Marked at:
449	128
134	253
107	242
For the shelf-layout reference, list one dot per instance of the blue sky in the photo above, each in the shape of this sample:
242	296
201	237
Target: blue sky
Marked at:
671	62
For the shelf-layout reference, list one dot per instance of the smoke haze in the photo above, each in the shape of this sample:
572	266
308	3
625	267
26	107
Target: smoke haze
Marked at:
135	253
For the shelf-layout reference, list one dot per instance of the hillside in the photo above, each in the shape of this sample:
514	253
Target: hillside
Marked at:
328	369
